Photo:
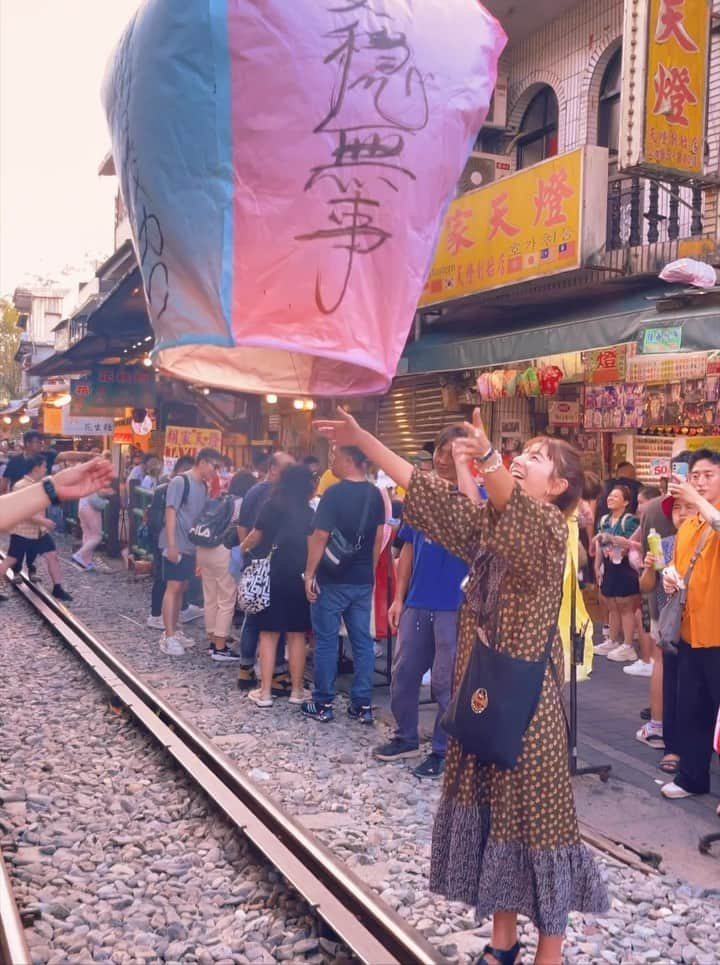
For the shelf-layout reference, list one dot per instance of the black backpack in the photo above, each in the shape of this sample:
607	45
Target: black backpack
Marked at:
155	516
213	522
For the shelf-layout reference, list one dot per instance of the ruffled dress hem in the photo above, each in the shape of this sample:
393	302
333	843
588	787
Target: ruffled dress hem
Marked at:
544	885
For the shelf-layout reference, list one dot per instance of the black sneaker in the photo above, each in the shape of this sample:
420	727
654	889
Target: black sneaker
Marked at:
60	594
645	713
363	714
322	712
247	679
395	750
432	766
281	685
223	656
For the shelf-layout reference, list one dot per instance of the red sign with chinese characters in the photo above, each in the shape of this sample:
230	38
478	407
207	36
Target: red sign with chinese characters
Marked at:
604	365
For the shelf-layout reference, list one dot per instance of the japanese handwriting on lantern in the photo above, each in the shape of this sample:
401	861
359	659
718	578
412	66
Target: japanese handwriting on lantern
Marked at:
457	225
377	100
673	93
498	220
671	24
550	198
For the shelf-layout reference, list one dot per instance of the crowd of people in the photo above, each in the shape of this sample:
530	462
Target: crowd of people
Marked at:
459	534
642	542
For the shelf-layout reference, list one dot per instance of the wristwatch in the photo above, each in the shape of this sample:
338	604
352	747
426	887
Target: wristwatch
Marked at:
50	491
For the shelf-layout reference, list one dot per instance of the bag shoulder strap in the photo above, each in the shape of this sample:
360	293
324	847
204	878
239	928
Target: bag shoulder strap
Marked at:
364	516
186	489
695	557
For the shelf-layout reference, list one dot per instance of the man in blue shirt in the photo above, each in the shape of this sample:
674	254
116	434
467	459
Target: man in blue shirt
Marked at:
424	616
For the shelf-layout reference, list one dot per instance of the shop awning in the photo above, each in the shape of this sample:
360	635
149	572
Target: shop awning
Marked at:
446	351
115	324
13	407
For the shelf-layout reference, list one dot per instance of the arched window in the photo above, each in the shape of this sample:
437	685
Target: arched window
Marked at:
539	129
609	107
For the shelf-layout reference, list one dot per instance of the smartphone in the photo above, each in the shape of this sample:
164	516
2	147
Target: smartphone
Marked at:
680	469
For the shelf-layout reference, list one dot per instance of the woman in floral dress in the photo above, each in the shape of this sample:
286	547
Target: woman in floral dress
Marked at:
506	842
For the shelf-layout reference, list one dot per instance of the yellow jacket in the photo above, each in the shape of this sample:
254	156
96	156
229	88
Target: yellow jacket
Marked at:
581	617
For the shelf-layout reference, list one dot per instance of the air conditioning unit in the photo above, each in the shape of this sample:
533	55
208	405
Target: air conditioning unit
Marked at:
482	169
497	115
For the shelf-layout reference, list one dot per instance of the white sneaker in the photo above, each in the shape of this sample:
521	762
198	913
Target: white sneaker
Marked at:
674	791
623	654
652	735
426	678
171	646
191	613
155	623
641	668
184	639
605	647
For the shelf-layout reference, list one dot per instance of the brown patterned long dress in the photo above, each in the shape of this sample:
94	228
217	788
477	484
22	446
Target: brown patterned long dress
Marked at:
509	840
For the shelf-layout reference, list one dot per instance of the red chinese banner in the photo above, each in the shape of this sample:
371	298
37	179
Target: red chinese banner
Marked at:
605	365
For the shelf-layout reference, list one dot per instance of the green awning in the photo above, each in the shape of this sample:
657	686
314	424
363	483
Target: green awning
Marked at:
445	351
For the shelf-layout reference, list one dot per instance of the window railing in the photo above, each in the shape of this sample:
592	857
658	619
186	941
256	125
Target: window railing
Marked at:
642	211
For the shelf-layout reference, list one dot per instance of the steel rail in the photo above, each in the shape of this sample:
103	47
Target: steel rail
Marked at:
13	946
374	932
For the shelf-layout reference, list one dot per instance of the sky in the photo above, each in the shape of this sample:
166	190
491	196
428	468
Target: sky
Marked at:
54	209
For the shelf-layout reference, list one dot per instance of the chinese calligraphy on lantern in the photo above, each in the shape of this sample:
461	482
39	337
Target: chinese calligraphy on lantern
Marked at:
520	227
377	100
678	37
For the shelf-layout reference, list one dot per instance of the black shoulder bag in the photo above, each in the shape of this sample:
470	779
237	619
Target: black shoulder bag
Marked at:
339	551
495	702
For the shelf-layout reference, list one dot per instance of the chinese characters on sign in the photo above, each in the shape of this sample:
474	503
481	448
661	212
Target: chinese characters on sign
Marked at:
185	441
112	387
530	224
660	340
605	365
86	425
377	101
677	57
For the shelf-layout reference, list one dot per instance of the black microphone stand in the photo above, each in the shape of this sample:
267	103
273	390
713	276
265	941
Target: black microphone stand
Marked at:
577	653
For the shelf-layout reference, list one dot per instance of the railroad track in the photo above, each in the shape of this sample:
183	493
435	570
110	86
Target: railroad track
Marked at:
372	931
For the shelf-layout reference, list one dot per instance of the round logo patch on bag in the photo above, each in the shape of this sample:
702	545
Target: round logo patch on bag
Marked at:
479	701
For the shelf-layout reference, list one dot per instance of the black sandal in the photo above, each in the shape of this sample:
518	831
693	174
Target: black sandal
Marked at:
507	957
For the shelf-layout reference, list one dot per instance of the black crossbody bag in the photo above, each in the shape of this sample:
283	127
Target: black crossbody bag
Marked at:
495	702
339	551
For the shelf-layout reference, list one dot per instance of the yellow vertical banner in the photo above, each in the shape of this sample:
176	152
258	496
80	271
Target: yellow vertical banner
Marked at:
676	84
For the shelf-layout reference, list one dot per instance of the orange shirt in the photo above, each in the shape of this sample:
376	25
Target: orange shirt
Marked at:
701	620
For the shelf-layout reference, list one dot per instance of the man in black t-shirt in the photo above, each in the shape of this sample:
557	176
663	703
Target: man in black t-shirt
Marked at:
354	508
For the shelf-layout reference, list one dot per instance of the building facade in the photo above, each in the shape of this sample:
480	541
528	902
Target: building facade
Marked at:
598	165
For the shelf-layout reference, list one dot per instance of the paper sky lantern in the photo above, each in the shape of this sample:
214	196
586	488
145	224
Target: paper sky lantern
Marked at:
286	165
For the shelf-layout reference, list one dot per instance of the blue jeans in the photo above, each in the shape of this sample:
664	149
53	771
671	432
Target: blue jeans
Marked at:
336	602
426	639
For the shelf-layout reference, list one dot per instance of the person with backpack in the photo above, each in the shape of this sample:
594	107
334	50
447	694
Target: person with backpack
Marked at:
213	560
185	501
155	520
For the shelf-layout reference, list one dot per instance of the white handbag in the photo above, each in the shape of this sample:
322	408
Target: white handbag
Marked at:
254	586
